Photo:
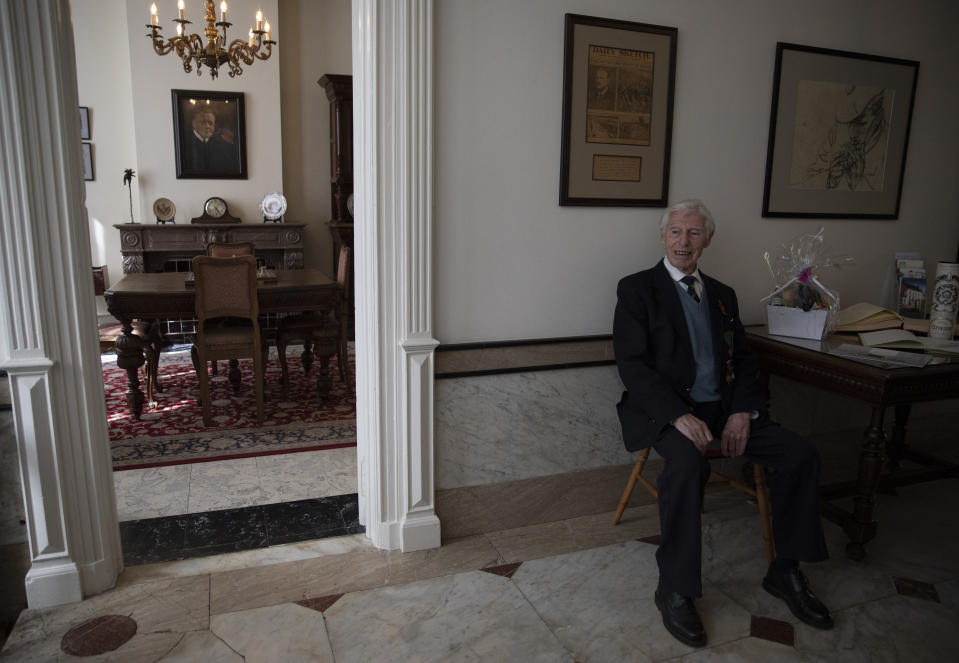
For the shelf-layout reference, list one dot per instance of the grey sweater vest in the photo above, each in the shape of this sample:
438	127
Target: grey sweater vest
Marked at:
706	386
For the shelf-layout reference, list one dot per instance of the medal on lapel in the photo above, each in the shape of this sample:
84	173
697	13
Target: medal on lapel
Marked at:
728	338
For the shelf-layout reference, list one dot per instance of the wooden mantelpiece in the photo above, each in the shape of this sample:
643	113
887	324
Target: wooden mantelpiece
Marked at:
147	247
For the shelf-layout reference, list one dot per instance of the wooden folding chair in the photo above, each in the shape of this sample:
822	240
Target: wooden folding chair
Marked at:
760	493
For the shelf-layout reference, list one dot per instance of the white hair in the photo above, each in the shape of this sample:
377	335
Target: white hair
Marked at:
689	206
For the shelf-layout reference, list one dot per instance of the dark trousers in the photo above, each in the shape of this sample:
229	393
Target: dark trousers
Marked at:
793	464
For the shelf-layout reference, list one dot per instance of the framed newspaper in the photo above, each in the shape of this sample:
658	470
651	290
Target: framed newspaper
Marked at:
618	80
838	134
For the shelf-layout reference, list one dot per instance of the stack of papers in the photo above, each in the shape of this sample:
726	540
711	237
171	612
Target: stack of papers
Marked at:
867	317
881	357
900	339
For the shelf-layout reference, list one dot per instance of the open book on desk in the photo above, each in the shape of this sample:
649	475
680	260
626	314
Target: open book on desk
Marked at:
901	339
920	325
867	317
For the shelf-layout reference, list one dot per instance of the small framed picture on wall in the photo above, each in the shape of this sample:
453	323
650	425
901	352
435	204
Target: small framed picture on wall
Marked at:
87	151
618	80
84	123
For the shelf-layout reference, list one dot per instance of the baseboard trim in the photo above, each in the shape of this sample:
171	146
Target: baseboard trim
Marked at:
501	357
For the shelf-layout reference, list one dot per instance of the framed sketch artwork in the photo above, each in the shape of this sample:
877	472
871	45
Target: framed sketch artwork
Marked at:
838	134
618	82
209	134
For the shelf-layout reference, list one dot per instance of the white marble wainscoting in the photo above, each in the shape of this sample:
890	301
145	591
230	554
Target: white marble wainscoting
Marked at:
497	428
226	484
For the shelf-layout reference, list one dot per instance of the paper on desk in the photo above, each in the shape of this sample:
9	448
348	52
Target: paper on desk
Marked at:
881	357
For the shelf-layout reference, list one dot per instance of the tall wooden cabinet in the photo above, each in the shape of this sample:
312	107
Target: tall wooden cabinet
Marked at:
339	92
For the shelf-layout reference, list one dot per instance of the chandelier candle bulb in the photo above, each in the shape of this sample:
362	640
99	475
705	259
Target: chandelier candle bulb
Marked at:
223	11
267	28
181	7
153	13
259	20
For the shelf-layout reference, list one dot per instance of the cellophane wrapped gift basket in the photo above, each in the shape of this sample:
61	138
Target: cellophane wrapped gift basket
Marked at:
800	305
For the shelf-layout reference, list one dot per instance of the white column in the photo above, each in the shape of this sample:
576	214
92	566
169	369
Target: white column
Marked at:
48	342
393	133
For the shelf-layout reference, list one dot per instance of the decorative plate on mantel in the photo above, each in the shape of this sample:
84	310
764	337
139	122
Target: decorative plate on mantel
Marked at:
273	206
164	209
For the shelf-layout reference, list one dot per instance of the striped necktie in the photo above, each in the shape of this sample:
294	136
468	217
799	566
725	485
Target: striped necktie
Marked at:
690	282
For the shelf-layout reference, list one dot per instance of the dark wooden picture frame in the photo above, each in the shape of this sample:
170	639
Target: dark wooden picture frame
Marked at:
838	134
86	152
618	80
217	117
85	123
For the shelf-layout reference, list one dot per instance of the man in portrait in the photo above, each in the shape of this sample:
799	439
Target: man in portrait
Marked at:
600	94
206	149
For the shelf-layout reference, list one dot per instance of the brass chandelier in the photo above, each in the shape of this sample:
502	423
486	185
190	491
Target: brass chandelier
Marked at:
194	53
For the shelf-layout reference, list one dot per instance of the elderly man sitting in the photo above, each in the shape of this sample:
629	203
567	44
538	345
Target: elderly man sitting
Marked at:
691	378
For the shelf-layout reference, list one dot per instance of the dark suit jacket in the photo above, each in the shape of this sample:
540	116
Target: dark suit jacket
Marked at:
655	356
216	156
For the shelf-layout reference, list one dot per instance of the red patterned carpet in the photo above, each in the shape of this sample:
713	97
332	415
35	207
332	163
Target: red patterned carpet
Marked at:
295	419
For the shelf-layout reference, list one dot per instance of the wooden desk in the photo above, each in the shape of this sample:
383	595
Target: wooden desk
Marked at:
809	362
149	297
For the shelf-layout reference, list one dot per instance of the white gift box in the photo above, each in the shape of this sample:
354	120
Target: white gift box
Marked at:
789	321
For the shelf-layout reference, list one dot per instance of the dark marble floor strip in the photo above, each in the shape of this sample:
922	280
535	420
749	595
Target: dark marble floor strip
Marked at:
170	538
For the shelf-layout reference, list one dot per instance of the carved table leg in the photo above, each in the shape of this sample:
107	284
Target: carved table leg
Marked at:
234	375
155	340
896	446
130	358
307	357
323	381
861	528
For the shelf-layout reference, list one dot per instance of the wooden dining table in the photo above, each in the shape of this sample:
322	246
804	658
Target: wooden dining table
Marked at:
168	296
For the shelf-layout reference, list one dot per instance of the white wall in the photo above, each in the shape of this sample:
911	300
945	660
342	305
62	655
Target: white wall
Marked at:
127	87
153	79
510	263
104	85
316	41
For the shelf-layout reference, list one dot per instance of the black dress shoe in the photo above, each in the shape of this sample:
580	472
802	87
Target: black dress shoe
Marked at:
680	618
792	587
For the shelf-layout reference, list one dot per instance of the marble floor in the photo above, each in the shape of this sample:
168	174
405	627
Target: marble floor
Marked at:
572	590
181	511
227	484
